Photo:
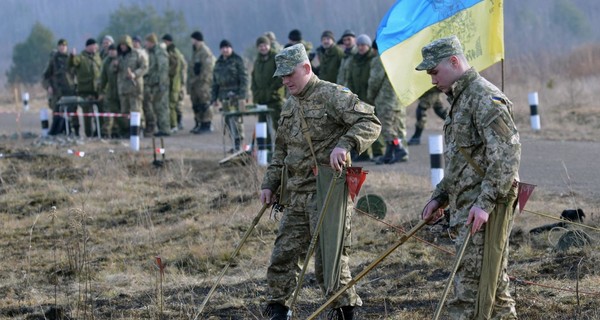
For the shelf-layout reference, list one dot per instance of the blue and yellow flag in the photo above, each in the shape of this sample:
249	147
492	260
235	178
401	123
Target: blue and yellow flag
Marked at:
411	24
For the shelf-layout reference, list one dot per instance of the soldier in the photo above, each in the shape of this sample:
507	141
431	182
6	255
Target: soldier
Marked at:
350	49
266	89
106	42
337	123
275	46
431	98
482	162
389	111
230	83
329	57
131	66
294	37
357	80
199	85
58	82
176	62
109	94
87	70
156	88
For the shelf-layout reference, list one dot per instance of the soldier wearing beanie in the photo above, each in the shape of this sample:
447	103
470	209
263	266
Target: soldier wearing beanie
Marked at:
337	123
266	89
350	49
230	83
199	84
294	37
177	76
156	89
87	66
58	81
329	57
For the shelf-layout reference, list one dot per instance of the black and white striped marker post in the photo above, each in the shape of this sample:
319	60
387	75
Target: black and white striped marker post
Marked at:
436	158
44	121
261	141
26	101
134	131
533	106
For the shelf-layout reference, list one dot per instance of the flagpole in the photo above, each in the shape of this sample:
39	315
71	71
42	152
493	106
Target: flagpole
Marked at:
502	72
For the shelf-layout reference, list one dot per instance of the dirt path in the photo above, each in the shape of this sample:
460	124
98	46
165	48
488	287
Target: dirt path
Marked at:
554	166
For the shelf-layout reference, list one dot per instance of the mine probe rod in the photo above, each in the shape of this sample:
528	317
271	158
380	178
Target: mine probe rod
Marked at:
235	252
370	267
459	257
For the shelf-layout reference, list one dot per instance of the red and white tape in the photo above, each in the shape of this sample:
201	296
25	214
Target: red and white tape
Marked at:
91	114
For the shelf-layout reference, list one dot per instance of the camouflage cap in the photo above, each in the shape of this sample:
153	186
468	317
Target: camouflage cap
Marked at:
437	50
289	58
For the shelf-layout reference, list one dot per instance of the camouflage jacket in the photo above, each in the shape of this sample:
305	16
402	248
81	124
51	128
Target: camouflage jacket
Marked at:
380	91
342	75
335	118
330	60
358	74
175	74
265	87
58	75
200	72
108	80
87	70
158	68
135	61
480	122
229	78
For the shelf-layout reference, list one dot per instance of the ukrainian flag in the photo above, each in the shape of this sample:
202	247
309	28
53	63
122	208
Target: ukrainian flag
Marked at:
411	24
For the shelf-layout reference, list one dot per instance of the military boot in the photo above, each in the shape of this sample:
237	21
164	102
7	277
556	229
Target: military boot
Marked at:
416	138
58	126
276	311
399	154
205	127
389	154
179	121
343	313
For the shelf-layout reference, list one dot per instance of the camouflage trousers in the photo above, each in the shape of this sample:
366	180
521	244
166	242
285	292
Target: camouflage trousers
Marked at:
201	107
392	122
291	245
466	281
129	103
429	99
235	124
156	109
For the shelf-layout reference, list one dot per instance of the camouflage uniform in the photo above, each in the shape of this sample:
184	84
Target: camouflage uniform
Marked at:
199	85
335	118
481	123
108	88
389	111
87	70
175	82
156	84
342	76
230	82
330	60
267	89
183	76
431	98
59	77
130	90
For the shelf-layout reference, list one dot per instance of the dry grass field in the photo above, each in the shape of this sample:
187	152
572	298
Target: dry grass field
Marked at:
81	235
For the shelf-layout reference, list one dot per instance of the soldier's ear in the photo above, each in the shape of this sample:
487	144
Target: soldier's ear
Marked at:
306	67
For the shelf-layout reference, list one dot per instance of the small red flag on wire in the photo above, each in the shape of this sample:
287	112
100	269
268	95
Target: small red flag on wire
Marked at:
524	192
355	177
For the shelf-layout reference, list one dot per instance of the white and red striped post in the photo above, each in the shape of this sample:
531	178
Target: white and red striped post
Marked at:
26	101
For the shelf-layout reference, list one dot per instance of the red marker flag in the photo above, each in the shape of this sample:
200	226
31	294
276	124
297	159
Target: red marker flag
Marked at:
524	192
355	177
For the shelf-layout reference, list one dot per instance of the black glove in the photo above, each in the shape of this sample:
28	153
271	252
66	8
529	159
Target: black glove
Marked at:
197	68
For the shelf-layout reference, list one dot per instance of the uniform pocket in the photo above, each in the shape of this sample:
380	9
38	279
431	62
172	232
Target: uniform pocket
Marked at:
466	135
319	124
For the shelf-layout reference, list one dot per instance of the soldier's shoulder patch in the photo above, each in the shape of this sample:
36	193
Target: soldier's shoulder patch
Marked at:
498	100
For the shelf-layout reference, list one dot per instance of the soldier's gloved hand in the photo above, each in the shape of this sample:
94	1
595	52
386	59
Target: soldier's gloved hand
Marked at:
197	68
478	217
267	196
432	211
338	158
